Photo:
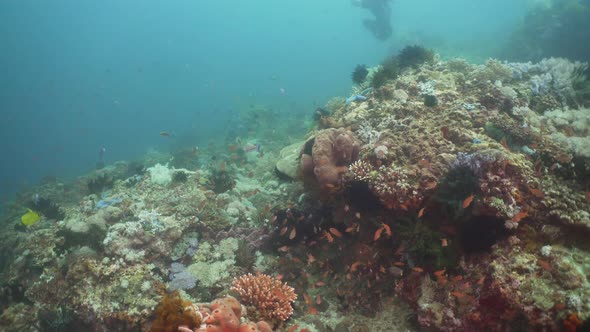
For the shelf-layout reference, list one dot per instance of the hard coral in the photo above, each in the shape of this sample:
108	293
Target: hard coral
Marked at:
270	298
332	151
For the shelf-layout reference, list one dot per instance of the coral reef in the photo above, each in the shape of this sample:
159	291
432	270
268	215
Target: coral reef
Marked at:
449	197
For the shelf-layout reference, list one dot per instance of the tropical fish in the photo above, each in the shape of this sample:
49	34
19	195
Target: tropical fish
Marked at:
329	237
519	216
252	147
165	134
439	273
468	201
421	213
387	229
30	218
377	234
335	232
292	234
537	193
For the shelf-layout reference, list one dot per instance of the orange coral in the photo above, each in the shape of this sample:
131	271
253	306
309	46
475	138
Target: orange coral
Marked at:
270	297
173	312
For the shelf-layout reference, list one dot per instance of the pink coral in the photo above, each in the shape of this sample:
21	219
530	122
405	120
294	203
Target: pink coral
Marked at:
270	298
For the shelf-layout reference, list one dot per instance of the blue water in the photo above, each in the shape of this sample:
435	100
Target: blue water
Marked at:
77	75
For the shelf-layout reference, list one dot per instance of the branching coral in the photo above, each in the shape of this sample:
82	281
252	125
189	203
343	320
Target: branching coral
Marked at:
270	298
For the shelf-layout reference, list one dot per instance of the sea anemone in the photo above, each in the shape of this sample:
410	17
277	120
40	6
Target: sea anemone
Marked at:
359	74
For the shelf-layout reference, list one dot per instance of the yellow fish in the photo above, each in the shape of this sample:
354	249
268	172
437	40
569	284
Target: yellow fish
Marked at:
30	218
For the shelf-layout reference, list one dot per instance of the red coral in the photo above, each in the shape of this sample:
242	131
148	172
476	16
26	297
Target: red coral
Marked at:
270	298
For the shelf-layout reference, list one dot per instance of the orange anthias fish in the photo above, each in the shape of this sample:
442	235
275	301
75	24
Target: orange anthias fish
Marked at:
518	217
387	229
537	193
292	234
329	237
468	201
421	213
378	233
335	232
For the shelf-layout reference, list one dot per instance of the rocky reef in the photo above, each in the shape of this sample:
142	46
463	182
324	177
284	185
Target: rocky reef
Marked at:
451	197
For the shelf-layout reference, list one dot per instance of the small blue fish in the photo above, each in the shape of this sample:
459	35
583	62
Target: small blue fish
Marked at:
476	141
